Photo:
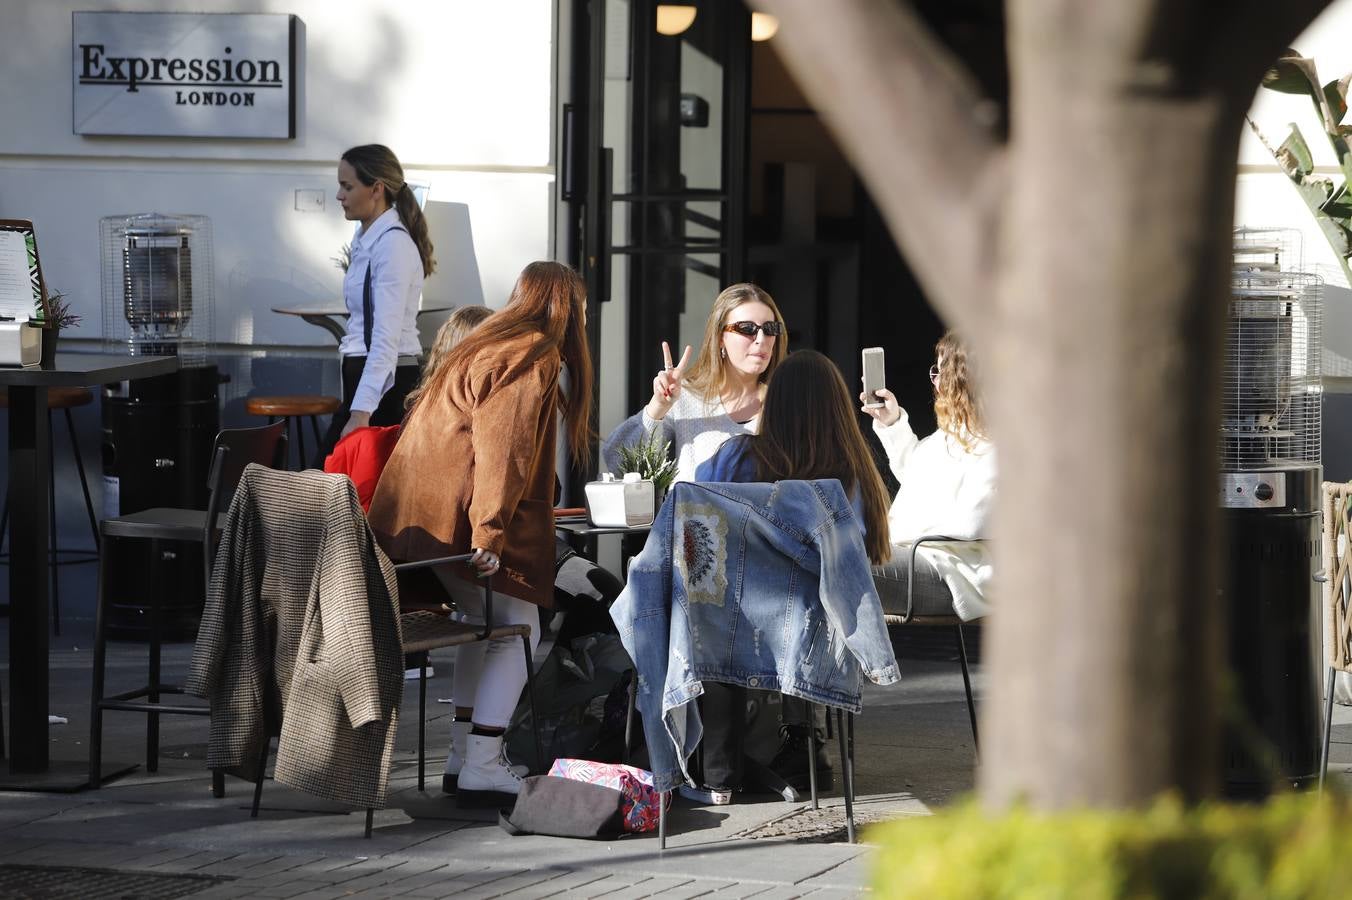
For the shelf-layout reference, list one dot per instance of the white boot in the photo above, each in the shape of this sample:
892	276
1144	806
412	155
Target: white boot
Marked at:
486	778
455	759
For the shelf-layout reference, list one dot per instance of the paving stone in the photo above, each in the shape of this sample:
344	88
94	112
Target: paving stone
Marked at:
699	888
238	866
573	883
540	879
282	889
441	883
649	887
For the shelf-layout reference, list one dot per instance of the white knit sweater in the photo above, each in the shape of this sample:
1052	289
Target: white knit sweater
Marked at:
944	490
695	427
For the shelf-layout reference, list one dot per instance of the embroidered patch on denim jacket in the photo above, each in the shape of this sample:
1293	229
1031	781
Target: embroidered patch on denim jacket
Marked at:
702	554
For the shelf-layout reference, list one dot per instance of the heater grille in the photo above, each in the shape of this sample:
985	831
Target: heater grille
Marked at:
157	285
1273	393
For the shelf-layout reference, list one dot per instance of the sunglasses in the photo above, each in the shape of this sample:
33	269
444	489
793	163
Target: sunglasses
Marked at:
749	329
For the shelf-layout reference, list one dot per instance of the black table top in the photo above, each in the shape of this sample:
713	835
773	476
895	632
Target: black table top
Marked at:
581	527
84	369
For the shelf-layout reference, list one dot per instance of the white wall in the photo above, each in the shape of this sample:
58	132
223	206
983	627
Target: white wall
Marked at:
460	89
1264	196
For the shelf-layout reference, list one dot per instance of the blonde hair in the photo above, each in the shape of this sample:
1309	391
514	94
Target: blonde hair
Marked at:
454	330
709	375
956	404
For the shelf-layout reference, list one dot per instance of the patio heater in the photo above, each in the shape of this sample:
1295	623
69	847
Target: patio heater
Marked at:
158	288
1270	481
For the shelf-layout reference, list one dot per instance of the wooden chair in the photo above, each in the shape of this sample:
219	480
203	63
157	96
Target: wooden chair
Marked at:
291	408
234	449
1337	597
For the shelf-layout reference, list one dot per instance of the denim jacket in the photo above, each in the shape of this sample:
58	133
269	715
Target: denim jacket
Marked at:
762	585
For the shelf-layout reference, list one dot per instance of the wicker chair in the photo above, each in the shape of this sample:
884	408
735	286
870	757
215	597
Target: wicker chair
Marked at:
1337	591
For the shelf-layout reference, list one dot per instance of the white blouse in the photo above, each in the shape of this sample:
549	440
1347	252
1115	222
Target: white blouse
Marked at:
396	286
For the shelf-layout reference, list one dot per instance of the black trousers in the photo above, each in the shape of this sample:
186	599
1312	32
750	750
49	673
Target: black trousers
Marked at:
723	714
390	411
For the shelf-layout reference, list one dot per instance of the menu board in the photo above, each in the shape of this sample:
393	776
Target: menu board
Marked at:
21	287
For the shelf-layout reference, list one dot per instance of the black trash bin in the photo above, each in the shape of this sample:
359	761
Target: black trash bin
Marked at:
157	439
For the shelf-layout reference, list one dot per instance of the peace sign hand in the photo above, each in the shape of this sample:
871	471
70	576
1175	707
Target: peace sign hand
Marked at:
667	384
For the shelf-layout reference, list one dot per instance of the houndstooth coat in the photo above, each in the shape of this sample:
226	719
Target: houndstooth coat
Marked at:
301	624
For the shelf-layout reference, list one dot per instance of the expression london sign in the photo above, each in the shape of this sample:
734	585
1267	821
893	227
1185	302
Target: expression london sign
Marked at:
184	74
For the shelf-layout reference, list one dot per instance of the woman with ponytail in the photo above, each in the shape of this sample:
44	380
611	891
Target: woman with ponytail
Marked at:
391	255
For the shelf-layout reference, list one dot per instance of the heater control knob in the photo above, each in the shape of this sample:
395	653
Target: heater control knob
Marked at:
1262	491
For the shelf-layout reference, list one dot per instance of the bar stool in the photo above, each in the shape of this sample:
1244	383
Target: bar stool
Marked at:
64	399
292	408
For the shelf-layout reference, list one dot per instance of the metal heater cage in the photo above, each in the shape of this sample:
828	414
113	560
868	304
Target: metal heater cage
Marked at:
1273	390
158	285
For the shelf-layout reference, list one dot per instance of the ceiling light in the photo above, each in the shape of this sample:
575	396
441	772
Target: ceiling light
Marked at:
672	19
763	26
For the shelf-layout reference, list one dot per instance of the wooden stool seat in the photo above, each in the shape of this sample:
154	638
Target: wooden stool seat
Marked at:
293	408
291	405
58	397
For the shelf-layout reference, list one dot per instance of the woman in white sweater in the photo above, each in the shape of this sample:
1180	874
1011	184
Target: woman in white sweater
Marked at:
721	394
947	486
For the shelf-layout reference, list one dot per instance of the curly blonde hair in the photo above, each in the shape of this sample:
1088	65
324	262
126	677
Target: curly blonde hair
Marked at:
956	403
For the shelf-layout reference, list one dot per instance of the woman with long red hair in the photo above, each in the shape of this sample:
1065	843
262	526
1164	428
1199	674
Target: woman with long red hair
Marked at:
474	472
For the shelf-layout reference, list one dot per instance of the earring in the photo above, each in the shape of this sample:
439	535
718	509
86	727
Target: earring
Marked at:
722	352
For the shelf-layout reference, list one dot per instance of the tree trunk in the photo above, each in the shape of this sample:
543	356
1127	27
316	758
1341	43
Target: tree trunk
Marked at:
1106	350
1087	259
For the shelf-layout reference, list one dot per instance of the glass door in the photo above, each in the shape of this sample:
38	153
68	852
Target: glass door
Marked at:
662	218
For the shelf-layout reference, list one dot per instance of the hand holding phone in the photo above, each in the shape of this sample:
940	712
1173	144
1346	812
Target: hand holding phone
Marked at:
874	376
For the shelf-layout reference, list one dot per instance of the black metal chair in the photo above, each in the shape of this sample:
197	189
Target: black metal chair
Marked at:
931	605
928	603
234	449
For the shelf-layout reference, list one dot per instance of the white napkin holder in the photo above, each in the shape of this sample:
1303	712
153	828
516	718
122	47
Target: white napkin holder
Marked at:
20	345
627	503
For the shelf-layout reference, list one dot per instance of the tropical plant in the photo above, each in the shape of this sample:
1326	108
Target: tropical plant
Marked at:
651	459
1329	199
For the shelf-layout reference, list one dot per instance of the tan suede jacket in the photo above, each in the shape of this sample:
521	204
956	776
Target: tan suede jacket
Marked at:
474	467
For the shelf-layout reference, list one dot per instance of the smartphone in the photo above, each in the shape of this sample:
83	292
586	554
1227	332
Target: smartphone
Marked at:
874	379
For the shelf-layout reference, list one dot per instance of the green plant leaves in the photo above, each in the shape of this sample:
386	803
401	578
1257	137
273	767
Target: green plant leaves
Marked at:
651	459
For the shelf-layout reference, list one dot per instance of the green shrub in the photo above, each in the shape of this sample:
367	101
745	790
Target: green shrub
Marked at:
1294	846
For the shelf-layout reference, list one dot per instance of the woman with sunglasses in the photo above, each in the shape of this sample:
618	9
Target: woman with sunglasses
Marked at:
947	485
719	396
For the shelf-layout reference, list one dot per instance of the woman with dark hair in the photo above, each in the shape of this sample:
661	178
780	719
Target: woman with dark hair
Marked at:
947	486
474	472
808	431
744	340
391	255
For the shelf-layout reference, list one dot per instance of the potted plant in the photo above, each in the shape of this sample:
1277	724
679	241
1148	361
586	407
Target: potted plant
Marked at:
651	459
53	314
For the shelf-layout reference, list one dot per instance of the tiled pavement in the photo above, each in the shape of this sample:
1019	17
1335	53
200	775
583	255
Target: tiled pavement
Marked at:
913	746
